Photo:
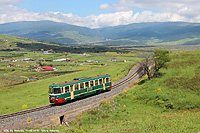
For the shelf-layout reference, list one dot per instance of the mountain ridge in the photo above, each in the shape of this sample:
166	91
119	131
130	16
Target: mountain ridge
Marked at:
68	34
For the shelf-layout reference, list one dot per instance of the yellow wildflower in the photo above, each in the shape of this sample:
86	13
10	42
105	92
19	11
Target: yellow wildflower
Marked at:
159	90
137	59
24	106
29	120
124	91
54	118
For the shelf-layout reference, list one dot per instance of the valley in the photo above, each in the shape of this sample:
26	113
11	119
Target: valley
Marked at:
167	103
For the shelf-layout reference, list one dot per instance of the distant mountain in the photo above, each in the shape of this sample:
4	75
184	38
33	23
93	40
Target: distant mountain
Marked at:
50	31
155	32
136	33
170	30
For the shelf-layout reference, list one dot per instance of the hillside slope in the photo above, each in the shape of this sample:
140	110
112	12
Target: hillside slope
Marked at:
50	31
136	33
169	103
179	86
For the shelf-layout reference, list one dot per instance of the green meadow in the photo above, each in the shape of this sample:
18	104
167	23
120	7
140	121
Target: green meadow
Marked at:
35	93
169	103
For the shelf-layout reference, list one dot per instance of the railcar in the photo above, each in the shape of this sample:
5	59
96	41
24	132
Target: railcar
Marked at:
78	88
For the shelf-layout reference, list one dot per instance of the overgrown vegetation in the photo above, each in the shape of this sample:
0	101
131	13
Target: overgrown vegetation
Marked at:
153	64
73	49
156	105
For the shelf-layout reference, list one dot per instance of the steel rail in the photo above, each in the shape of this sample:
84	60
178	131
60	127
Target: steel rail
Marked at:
25	112
128	79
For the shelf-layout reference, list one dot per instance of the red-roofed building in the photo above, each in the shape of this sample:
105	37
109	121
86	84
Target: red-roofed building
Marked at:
48	68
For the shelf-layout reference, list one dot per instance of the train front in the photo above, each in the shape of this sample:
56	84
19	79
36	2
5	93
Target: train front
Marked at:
55	95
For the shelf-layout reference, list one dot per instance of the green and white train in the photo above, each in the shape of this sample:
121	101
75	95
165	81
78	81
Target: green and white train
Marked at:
78	88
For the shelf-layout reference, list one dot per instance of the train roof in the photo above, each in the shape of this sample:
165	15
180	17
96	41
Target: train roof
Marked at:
78	80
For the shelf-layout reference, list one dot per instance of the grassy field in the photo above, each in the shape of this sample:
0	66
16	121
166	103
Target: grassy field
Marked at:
169	103
34	94
130	117
22	70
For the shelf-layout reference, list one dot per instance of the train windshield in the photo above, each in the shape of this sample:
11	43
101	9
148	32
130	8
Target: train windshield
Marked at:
54	90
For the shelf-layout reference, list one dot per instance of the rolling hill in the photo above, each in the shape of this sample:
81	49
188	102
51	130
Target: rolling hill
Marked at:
50	31
136	33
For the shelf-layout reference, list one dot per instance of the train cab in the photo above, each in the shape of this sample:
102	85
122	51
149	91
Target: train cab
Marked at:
55	95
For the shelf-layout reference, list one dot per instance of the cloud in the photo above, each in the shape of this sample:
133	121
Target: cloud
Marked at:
180	10
104	6
113	19
7	2
182	7
103	20
167	10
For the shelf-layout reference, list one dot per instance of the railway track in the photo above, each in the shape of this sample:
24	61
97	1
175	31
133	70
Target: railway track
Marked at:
25	112
118	84
127	79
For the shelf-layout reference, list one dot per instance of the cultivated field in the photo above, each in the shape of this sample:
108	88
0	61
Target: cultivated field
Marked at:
18	92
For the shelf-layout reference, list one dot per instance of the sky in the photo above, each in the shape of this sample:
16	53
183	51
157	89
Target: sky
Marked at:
100	13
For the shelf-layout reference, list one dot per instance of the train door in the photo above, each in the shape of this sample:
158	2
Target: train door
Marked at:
104	84
62	92
72	91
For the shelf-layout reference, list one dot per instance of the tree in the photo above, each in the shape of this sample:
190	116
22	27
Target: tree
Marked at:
153	63
147	66
161	57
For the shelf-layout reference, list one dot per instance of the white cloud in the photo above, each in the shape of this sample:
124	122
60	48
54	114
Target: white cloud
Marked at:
182	7
180	10
169	10
7	2
104	6
113	19
92	21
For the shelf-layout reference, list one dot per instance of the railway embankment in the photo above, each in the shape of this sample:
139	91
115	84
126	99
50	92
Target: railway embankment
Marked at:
168	103
51	116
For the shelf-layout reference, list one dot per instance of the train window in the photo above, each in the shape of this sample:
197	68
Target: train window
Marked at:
107	80
56	90
71	87
91	83
86	84
50	91
100	81
96	82
81	85
66	89
76	86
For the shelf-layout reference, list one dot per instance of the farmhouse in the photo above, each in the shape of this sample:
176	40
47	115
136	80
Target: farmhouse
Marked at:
114	59
91	61
11	65
27	59
86	54
48	68
61	60
48	51
13	60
